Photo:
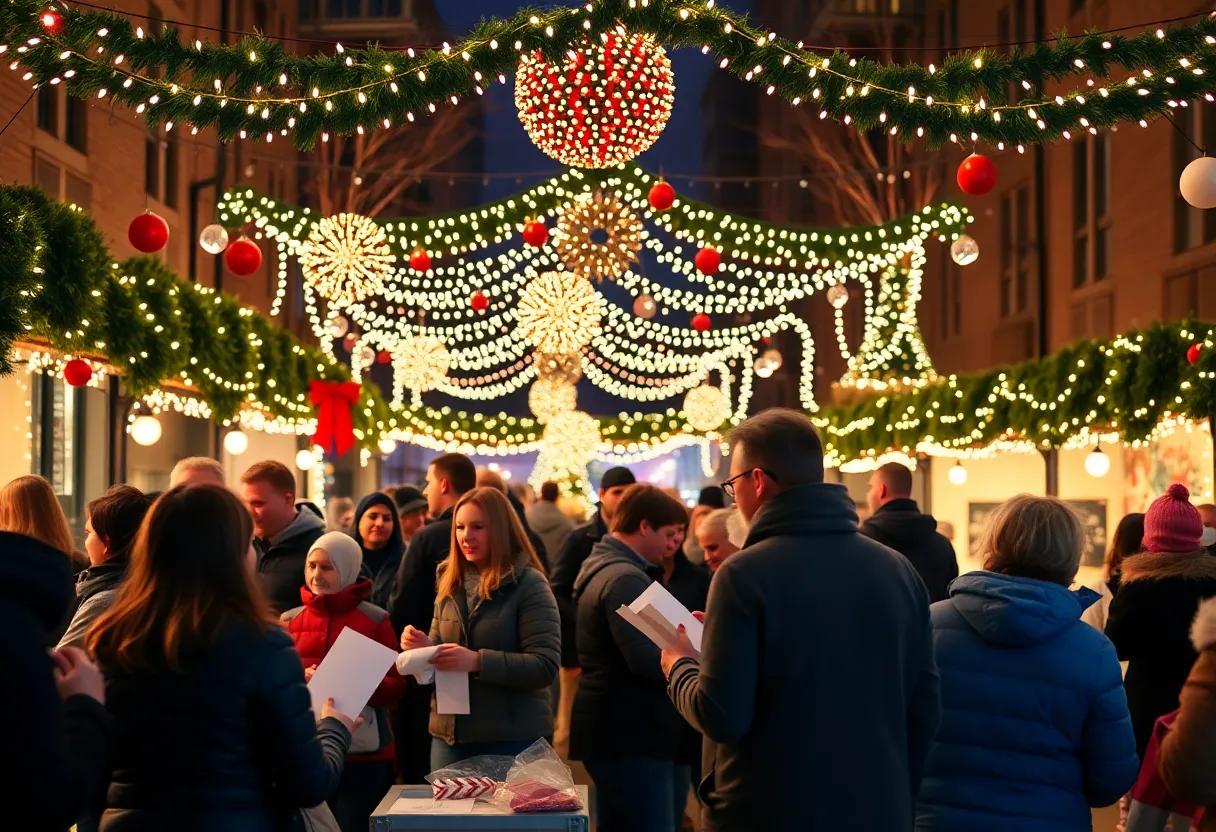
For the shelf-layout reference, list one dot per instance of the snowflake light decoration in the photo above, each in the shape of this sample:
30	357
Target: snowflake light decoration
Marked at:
598	237
421	363
559	312
706	407
607	102
346	258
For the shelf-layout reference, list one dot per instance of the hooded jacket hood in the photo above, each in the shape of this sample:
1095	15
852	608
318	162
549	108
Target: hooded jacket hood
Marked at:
39	578
305	521
99	578
1017	612
395	545
606	552
336	603
819	508
545	517
903	524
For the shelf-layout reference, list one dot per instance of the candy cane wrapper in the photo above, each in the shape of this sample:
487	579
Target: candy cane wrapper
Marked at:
462	788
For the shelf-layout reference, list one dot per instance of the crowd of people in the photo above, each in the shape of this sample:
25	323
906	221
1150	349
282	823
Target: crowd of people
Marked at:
846	677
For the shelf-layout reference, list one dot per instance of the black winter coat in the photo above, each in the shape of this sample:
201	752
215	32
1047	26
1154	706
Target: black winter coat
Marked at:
816	669
57	760
281	560
689	584
901	526
413	601
1150	624
621	708
566	565
229	743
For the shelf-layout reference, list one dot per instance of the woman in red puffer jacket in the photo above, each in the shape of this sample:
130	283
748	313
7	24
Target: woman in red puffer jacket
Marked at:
334	598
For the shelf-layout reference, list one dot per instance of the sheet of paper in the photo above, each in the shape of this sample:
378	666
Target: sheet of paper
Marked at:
350	673
451	692
429	806
657	614
417	663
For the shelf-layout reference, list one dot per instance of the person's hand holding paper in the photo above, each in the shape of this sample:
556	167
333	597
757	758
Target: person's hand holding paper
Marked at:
352	670
658	615
451	686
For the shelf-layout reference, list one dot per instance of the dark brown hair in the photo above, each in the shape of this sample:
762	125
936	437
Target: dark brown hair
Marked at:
508	543
549	491
458	470
897	477
116	517
1128	541
188	580
783	443
276	474
646	502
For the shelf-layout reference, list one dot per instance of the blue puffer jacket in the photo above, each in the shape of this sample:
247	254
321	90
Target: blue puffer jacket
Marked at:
1035	728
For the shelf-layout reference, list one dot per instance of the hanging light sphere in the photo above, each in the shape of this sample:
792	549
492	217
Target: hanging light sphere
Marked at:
958	474
838	296
422	363
1193	352
645	307
366	356
535	233
607	101
243	257
559	312
706	407
965	250
213	239
976	175
547	399
708	260
767	363
559	368
148	232
387	446
145	430
339	326
349	341
346	258
77	372
236	442
1097	463
305	460
1198	183
662	196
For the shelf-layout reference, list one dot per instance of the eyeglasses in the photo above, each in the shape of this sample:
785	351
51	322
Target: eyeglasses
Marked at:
729	485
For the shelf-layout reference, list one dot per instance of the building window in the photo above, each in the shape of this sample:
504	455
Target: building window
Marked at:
1015	250
59	453
48	109
63	116
1192	227
1091	211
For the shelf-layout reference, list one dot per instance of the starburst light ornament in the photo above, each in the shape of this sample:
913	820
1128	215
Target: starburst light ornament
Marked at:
598	237
346	258
547	399
570	441
607	102
706	407
559	312
421	363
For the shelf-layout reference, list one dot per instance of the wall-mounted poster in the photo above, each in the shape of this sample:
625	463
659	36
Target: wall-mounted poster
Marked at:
1091	512
1184	456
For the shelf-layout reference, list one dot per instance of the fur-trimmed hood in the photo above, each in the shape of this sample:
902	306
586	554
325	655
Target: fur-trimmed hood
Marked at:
1203	631
1193	566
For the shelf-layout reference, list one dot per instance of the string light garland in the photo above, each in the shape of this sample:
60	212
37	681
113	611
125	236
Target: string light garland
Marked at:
559	312
607	101
256	89
346	258
598	238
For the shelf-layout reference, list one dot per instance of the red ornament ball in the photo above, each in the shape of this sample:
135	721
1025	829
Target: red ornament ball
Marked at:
383	357
77	373
350	340
148	232
708	260
479	302
52	21
420	261
700	322
1192	354
606	101
662	196
976	175
535	233
243	257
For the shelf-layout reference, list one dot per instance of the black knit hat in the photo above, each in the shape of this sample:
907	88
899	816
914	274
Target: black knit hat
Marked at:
409	500
617	476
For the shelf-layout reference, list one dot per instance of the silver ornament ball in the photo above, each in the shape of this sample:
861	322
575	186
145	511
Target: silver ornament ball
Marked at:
213	239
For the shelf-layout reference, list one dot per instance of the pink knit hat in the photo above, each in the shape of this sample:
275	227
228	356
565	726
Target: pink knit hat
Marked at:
1171	523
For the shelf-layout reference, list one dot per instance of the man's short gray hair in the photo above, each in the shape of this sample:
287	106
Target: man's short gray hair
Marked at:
1034	537
197	463
783	443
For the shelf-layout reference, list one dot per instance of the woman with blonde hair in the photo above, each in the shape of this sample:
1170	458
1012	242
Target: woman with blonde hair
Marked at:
1035	729
496	619
28	506
213	722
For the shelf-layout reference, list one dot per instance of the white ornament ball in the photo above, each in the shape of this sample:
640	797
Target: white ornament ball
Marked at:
762	368
958	474
1198	182
145	430
1097	464
236	442
213	239
305	460
645	307
339	326
387	446
366	356
838	296
965	250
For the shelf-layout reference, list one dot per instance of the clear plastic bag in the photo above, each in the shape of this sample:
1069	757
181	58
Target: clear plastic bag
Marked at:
474	777
539	782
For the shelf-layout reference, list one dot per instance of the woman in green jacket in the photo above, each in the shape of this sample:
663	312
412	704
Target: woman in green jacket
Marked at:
497	620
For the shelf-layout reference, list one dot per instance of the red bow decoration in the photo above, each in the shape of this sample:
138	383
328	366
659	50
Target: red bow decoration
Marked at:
334	399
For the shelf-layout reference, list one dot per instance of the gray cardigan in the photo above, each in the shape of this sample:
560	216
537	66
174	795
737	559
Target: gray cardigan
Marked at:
517	631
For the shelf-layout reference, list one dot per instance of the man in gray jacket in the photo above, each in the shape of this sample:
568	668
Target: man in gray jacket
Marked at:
816	688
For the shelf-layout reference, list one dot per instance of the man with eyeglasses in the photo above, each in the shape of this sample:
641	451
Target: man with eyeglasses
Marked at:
816	664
